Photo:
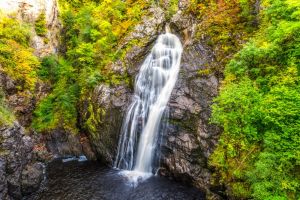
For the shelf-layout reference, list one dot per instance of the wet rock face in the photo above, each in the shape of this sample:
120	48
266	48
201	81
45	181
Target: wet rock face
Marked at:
102	116
31	178
145	33
19	173
107	105
190	138
3	182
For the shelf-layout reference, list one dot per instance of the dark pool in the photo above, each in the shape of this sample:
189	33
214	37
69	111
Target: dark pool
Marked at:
90	180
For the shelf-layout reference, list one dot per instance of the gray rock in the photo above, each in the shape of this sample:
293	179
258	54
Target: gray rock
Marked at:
3	182
16	160
190	137
32	176
63	144
108	105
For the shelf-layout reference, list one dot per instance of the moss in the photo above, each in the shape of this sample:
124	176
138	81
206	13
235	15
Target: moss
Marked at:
40	25
172	8
224	27
205	72
94	116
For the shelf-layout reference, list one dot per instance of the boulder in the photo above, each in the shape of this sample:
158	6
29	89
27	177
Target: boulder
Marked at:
31	178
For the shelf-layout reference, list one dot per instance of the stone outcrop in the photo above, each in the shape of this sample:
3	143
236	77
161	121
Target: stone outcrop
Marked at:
65	144
20	175
190	138
103	111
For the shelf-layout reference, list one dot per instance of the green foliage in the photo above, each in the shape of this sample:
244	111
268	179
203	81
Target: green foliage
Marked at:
12	29
58	109
94	31
259	104
19	63
41	25
170	7
99	28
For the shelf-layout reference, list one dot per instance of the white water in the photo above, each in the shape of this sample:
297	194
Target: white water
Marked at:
153	87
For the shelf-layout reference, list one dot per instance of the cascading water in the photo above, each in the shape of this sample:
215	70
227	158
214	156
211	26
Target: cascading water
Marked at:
153	87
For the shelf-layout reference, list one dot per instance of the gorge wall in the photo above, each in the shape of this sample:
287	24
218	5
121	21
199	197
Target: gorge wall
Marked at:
190	137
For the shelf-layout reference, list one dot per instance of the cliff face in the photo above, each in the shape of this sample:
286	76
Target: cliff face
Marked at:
21	173
102	112
190	138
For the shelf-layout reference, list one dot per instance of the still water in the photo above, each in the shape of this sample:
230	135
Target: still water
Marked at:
90	181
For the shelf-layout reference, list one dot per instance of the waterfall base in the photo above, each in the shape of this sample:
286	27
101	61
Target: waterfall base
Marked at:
135	177
91	180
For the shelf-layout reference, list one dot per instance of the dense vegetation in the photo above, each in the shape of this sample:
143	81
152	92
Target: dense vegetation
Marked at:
259	151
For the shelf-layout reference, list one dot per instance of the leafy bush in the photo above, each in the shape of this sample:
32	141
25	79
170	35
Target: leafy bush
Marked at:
13	29
225	25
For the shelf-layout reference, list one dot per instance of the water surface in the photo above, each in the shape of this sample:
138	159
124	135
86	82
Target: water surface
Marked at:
90	181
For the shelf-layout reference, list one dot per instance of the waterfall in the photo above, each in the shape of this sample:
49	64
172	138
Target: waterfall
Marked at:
153	87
